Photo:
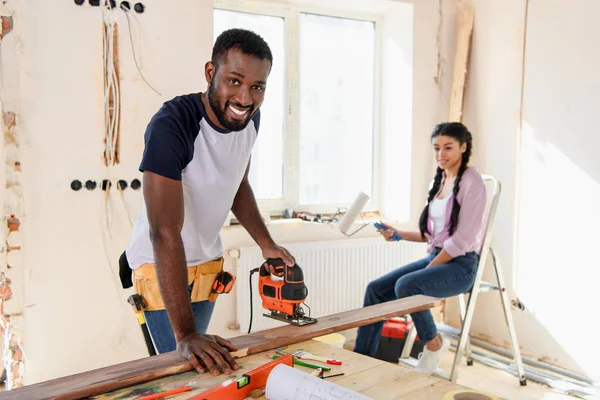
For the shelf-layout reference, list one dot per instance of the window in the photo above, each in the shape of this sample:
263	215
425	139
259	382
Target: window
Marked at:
336	109
318	136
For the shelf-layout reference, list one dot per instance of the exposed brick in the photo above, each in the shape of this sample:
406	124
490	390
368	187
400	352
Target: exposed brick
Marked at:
13	223
7	26
5	291
16	370
10	119
10	313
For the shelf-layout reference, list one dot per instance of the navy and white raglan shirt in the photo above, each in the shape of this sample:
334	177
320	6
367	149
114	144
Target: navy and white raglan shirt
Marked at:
182	143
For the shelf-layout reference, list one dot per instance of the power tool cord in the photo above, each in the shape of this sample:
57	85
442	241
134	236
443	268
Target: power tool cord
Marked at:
250	281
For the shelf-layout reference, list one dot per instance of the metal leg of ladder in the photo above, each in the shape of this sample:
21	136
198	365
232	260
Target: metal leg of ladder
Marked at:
509	319
462	308
466	325
410	341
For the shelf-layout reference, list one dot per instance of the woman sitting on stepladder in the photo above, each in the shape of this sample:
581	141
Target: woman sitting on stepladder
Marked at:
451	224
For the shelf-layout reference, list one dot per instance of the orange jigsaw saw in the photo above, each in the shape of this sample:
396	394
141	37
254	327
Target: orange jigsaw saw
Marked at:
284	297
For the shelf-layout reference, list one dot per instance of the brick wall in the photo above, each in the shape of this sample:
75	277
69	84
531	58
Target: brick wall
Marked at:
11	318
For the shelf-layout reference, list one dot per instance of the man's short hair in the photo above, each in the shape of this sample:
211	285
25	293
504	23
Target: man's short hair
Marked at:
244	40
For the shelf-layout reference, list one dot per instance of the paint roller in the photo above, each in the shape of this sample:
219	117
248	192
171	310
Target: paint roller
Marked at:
352	214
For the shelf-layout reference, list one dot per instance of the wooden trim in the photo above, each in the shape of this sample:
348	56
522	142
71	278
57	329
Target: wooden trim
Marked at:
461	61
123	375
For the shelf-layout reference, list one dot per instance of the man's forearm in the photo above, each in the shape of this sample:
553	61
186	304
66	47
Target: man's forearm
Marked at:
171	271
246	211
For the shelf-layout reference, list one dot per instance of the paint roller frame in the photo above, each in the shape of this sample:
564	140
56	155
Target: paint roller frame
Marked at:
351	215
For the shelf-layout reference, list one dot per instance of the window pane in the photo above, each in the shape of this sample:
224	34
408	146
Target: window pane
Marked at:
266	169
337	59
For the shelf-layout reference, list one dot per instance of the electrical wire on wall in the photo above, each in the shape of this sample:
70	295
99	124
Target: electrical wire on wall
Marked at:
129	15
112	95
120	187
112	102
110	217
112	106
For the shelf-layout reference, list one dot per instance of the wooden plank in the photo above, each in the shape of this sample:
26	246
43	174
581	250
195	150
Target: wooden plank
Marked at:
461	60
127	374
290	334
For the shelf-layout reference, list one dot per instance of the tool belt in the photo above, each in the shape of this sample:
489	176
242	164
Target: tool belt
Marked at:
200	277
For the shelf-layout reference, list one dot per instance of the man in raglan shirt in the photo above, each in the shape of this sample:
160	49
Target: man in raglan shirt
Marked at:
195	169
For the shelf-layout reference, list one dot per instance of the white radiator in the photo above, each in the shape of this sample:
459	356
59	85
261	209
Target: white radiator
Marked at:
336	274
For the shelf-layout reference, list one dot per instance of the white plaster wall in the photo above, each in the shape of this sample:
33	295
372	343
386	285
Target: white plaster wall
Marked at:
545	228
77	313
560	182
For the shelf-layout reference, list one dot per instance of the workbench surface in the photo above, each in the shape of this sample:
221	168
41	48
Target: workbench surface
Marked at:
371	377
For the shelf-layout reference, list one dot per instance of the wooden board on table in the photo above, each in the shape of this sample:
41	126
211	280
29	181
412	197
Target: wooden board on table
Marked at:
115	377
289	334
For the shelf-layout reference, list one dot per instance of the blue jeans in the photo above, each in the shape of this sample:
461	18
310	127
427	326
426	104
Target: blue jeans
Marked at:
445	280
160	328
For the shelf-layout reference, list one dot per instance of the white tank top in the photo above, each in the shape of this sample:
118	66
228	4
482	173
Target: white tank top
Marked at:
437	212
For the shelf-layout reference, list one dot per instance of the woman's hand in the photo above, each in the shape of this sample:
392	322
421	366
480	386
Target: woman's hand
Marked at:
388	232
442	258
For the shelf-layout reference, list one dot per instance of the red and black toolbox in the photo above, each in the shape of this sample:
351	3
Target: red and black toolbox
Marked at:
392	340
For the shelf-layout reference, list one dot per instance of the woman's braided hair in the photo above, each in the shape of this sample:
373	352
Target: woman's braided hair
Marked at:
459	132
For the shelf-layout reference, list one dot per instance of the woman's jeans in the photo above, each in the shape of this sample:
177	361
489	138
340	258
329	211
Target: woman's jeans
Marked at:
445	280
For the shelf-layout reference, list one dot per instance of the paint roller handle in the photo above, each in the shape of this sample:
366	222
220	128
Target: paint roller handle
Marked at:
395	236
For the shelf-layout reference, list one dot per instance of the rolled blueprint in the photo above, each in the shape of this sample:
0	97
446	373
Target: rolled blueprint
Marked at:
287	383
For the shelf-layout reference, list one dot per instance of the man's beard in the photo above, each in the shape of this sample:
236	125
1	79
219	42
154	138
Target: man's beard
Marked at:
214	101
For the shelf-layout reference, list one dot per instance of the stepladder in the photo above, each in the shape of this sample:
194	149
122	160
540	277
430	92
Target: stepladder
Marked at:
467	306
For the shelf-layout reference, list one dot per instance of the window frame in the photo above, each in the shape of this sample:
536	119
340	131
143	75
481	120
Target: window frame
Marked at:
290	12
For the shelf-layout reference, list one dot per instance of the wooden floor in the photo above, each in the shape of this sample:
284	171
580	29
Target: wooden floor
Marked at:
494	381
500	383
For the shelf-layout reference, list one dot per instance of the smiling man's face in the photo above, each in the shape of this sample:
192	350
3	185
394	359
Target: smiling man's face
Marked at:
236	88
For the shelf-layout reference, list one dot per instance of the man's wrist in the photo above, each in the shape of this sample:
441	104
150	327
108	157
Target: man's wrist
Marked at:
267	243
184	332
182	335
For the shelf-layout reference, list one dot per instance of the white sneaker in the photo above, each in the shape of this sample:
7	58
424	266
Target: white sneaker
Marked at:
429	360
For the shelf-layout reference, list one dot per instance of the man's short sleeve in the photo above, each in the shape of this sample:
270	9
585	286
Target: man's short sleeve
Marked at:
256	120
167	151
